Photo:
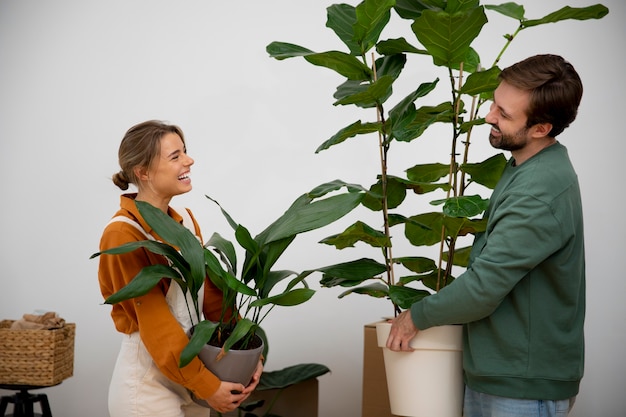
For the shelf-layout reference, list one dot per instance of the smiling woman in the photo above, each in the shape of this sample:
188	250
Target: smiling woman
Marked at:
153	156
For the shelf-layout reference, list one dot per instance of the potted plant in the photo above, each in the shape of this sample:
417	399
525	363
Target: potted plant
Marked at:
253	291
445	31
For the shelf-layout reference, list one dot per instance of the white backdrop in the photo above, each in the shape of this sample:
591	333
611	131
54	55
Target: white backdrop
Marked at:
76	74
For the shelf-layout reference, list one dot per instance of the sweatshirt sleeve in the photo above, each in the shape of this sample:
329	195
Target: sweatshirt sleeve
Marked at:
150	315
521	233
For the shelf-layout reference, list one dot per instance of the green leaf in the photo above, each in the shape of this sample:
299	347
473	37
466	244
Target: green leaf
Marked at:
356	128
513	10
302	218
352	273
447	37
323	189
424	117
290	375
202	333
417	264
398	46
396	193
376	290
178	235
463	206
286	299
376	92
341	19
412	9
342	63
487	172
226	248
358	232
371	18
398	114
461	256
427	172
405	297
597	11
145	280
481	82
243	328
283	50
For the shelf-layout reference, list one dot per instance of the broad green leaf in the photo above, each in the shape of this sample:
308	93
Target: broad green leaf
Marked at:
424	117
424	236
428	172
481	82
243	328
461	256
354	271
398	46
177	235
447	37
358	232
290	375
417	264
396	193
412	9
376	290
202	333
312	216
513	10
356	128
342	63
226	248
376	92
371	18
397	114
390	65
597	11
487	172
283	50
463	206
341	19
145	280
405	297
273	278
287	299
323	189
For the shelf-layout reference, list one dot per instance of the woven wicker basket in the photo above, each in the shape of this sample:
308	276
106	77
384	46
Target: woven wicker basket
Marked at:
36	357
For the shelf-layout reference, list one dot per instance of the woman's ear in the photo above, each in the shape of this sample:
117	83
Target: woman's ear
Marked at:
141	173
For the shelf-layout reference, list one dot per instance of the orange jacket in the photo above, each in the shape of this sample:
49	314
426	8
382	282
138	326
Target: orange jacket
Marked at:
161	334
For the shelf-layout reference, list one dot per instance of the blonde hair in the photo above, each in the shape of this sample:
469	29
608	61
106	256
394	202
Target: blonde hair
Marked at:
140	146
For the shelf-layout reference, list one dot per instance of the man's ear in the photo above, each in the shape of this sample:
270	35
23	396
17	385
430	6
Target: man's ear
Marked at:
541	130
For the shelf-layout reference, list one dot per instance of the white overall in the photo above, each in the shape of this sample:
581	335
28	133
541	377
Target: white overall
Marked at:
138	388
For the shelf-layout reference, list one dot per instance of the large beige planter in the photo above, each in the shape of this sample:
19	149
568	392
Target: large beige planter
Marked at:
428	381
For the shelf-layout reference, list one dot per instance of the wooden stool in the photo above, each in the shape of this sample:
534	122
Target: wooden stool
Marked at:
23	402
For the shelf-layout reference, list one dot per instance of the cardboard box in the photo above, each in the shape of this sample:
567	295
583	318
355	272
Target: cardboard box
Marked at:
375	401
299	400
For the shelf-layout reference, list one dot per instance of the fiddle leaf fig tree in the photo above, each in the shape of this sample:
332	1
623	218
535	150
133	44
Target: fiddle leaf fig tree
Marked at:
440	34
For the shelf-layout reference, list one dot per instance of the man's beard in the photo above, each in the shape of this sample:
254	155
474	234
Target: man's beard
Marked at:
506	142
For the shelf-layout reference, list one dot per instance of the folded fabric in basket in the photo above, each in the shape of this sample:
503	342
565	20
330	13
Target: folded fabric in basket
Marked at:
46	321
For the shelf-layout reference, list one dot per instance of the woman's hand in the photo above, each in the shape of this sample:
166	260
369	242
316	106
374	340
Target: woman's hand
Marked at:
227	397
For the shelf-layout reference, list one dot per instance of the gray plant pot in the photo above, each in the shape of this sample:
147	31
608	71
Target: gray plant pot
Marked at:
236	366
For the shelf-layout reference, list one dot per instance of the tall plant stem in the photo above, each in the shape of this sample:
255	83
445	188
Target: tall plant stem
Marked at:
453	180
383	149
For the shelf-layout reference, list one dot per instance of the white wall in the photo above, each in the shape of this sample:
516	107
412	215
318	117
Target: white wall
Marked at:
76	74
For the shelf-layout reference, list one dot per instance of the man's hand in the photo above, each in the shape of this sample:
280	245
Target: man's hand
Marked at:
402	331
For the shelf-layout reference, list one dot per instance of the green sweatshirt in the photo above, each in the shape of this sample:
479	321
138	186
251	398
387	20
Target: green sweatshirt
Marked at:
522	299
